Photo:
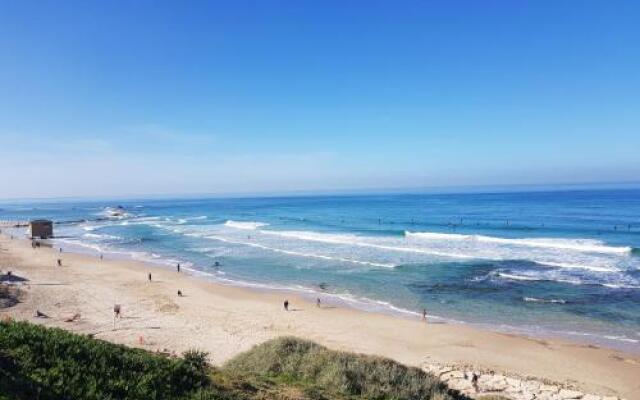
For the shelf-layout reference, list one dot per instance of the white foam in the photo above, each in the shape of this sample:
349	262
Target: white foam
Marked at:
518	277
578	266
582	245
301	254
101	236
537	300
415	250
247	225
354	240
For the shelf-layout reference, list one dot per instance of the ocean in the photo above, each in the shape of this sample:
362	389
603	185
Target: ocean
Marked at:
547	264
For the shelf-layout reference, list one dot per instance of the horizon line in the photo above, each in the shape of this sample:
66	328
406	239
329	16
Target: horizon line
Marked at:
453	189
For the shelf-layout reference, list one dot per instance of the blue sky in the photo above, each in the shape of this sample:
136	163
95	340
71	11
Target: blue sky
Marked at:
134	98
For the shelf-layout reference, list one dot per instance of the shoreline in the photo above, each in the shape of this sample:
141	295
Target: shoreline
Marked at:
363	304
225	320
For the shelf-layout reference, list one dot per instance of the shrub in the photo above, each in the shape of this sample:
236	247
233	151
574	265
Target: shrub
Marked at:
46	364
43	363
338	372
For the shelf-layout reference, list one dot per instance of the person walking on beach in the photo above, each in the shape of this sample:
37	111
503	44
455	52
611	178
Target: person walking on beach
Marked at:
101	256
116	314
424	314
179	293
149	276
178	267
318	302
286	305
59	262
474	382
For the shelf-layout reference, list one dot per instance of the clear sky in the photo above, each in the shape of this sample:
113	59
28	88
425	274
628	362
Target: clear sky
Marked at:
133	98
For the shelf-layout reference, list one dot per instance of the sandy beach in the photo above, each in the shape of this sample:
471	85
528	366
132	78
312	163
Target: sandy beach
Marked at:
225	320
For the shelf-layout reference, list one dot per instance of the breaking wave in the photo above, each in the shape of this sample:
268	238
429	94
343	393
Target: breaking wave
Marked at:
247	225
302	254
581	245
538	300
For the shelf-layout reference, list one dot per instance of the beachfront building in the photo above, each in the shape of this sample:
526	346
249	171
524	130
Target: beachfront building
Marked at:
41	228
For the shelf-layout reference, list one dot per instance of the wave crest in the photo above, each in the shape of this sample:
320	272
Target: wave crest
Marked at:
580	245
247	225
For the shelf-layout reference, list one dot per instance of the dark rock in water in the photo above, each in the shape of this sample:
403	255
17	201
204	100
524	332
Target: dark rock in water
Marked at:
323	285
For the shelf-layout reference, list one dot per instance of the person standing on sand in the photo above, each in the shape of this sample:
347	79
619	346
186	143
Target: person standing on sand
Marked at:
318	302
178	267
116	314
424	314
101	256
474	382
286	305
59	262
149	276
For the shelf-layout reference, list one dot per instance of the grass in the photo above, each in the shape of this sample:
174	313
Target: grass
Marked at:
44	363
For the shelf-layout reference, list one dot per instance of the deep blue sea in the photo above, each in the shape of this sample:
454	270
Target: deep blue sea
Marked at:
548	264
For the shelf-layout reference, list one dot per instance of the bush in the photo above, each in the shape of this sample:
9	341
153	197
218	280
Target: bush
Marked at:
47	364
342	373
37	362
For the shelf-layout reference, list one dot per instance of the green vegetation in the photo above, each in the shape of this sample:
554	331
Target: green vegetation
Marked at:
42	363
319	369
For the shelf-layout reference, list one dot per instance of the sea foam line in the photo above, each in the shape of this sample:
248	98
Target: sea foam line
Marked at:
581	245
300	254
247	225
351	240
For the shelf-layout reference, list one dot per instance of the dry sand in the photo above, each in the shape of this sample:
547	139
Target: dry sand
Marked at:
225	320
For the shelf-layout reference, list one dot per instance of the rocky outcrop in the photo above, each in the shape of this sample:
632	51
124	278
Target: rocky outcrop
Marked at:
515	388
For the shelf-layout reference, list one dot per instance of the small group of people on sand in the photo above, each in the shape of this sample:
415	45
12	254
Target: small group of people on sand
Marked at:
286	303
319	305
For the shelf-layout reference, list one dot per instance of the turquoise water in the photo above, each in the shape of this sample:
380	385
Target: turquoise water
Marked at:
561	263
